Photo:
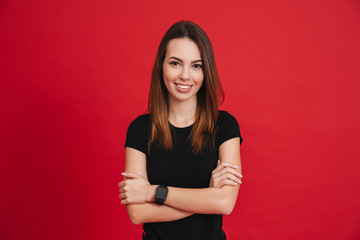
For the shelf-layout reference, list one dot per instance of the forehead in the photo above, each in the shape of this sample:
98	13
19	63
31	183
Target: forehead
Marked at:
183	48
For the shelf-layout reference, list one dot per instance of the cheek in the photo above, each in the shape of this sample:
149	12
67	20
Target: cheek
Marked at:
167	78
169	74
199	78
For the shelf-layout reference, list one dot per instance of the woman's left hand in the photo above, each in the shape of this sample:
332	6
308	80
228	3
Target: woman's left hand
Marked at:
225	174
134	189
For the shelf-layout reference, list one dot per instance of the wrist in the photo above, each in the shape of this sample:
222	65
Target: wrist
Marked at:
161	193
151	193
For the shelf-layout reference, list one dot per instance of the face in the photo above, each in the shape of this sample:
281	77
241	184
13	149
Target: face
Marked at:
182	70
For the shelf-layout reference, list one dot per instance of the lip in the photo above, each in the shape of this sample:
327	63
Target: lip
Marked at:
183	90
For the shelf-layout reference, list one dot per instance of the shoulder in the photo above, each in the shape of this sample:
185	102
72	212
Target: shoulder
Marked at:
227	120
142	121
138	132
225	116
139	126
145	118
227	126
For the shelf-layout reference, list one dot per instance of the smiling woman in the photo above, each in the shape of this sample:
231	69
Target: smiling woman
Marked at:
182	73
183	168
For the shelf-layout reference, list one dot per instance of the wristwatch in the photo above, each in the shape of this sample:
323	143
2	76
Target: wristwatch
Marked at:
161	194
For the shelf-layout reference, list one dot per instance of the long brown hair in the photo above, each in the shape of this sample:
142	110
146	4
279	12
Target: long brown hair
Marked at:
208	96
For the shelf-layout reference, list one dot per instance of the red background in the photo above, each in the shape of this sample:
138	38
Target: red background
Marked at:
75	73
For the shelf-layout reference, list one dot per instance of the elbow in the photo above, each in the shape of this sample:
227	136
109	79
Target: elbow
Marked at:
134	216
226	200
227	206
227	210
135	220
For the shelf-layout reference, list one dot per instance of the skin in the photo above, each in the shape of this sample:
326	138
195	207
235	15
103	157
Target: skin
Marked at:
182	67
183	77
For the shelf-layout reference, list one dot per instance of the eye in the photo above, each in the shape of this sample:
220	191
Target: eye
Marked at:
197	66
174	63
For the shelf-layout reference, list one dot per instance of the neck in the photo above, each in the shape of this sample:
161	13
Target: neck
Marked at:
182	113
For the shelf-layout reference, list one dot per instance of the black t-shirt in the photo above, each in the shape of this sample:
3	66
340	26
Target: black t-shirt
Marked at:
181	168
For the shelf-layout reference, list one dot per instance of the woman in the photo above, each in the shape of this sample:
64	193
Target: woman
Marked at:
174	181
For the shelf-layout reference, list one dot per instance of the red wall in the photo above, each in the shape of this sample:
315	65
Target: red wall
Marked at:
75	73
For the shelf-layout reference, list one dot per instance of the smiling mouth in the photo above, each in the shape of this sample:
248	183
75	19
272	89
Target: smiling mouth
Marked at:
183	86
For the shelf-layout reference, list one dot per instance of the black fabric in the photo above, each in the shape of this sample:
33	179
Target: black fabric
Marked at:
181	168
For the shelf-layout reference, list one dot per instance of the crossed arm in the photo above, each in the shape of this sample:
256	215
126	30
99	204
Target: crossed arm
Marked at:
218	198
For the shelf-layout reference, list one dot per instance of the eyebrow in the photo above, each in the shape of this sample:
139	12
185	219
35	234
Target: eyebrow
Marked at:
178	59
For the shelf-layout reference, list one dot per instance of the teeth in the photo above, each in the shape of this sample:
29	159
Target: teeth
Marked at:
183	86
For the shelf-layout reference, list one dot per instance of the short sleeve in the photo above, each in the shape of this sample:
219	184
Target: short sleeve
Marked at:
228	127
137	134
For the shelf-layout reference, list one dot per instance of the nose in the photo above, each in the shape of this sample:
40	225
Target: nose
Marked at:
184	74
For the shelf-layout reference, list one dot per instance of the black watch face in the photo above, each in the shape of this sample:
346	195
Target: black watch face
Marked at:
160	194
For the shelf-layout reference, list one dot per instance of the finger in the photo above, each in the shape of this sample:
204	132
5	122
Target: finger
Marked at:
121	184
222	171
229	177
124	202
218	168
234	171
227	170
233	178
229	164
228	182
131	175
222	165
223	181
122	196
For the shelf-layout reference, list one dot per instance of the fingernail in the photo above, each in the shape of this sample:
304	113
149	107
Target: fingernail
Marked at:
124	173
236	166
240	175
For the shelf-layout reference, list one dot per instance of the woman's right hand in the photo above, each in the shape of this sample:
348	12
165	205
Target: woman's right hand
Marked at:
225	174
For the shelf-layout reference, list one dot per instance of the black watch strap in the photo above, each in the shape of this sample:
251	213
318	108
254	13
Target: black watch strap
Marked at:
161	194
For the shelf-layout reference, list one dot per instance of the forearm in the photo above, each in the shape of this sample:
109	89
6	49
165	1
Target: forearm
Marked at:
210	200
204	201
135	189
152	212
